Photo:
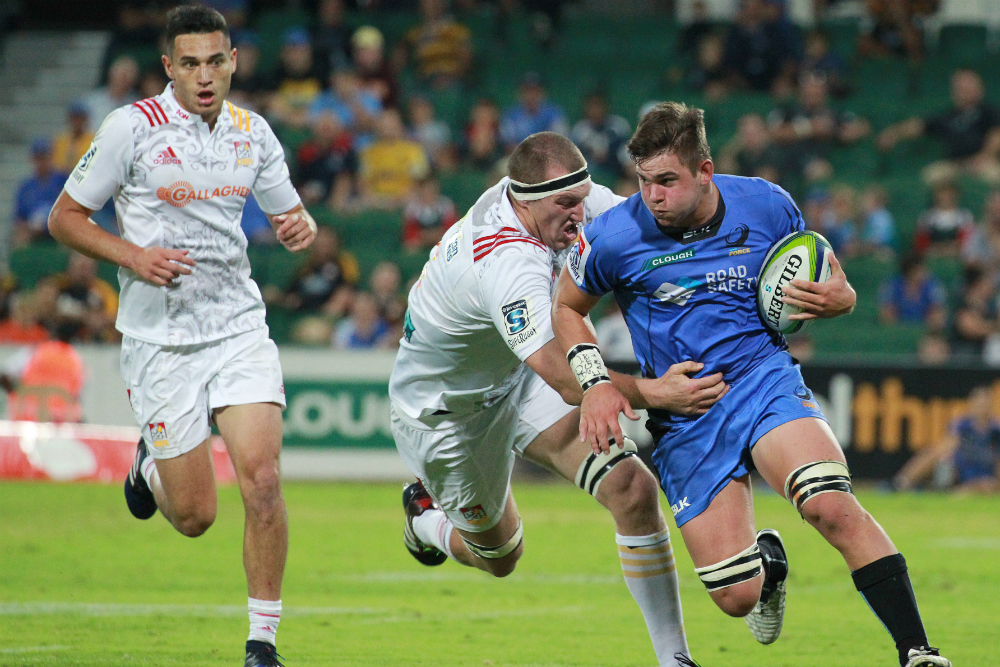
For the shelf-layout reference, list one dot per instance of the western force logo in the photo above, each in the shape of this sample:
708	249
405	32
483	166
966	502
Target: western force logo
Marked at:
244	153
180	193
166	157
83	165
158	434
737	237
515	316
677	294
655	262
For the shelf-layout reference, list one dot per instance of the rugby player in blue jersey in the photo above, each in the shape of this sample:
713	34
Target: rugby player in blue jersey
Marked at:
682	259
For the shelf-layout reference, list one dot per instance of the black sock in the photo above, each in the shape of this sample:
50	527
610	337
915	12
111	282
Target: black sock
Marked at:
886	587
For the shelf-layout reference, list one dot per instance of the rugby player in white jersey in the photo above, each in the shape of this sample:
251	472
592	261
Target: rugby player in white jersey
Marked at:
195	347
479	379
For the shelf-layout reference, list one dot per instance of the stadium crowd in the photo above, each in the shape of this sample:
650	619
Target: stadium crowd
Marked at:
379	124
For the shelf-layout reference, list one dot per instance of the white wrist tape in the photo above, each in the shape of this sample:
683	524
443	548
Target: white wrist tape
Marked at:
587	365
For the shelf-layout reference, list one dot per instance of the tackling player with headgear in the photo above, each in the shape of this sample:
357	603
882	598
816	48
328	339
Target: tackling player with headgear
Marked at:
195	346
479	380
682	258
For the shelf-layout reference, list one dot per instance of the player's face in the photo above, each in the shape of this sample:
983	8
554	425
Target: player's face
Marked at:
202	68
675	196
557	218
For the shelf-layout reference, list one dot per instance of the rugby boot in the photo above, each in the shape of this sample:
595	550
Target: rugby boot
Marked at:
925	656
261	654
416	501
767	617
138	495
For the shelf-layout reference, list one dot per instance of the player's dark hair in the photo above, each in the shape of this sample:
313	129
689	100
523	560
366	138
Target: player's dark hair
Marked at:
532	157
193	20
671	127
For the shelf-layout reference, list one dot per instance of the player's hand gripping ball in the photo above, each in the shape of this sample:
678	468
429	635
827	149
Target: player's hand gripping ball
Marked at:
802	255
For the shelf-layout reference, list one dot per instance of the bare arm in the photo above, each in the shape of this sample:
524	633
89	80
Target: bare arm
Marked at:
70	224
295	229
911	128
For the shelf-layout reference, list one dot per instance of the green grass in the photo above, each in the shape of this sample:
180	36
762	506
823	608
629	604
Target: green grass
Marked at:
82	583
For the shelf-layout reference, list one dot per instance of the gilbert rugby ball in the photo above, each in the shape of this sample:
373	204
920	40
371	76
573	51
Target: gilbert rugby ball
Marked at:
802	255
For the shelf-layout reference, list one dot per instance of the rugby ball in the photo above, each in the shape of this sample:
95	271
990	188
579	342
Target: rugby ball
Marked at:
802	255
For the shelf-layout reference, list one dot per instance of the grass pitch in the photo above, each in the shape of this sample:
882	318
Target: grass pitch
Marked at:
82	583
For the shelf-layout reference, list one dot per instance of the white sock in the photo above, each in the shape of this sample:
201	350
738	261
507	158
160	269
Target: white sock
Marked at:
264	618
149	472
433	527
651	576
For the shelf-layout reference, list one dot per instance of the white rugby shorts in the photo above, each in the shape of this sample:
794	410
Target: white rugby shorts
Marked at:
173	389
466	464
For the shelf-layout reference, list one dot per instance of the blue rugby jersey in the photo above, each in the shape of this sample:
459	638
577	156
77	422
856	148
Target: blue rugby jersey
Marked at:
690	294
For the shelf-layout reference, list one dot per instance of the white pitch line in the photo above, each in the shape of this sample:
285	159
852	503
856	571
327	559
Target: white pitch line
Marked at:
33	649
101	609
991	543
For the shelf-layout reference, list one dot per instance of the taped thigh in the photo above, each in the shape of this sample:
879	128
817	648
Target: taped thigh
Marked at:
744	566
816	478
493	553
597	466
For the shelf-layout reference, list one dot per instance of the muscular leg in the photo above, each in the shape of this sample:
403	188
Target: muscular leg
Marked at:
252	434
184	488
495	536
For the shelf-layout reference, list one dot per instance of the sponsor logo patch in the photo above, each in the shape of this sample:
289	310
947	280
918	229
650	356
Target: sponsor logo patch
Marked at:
244	153
577	260
181	193
737	237
677	294
679	506
515	316
655	262
476	516
83	165
158	434
452	248
166	157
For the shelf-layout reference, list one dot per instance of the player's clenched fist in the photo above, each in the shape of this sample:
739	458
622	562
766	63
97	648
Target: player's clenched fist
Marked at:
160	266
296	230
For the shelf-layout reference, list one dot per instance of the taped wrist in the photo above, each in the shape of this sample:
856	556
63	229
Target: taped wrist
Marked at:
587	365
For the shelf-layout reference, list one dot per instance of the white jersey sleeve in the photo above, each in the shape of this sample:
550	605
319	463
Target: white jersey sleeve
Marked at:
273	187
516	290
104	168
598	201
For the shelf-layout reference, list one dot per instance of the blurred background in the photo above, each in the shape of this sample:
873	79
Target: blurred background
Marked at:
880	117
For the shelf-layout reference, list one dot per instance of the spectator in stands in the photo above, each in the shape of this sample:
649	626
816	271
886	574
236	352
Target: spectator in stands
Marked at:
810	127
946	226
431	133
248	81
760	51
255	224
983	249
427	216
36	195
893	28
325	281
374	71
327	164
933	349
139	27
532	113
914	296
819	59
708	73
977	317
356	107
88	300
385	284
693	33
751	152
878	229
298	80
600	135
481	147
70	144
390	168
45	382
331	36
970	132
831	212
234	11
440	47
21	327
967	459
364	328
119	90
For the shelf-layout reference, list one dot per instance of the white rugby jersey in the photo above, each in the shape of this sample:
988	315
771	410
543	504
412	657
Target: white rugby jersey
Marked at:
480	308
178	185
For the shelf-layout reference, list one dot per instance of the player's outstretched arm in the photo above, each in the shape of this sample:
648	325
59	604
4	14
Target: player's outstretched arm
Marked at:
70	224
295	229
833	298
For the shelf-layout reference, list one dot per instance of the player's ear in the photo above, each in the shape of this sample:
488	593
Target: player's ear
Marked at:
232	57
705	171
167	66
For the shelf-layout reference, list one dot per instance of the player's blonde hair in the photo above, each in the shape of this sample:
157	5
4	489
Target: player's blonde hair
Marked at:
671	127
533	156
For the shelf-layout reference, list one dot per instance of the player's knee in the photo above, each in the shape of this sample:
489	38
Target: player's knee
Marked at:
501	567
630	489
823	495
499	560
738	600
193	521
834	514
261	488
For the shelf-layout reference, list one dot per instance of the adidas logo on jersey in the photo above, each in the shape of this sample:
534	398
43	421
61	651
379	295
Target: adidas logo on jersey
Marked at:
166	157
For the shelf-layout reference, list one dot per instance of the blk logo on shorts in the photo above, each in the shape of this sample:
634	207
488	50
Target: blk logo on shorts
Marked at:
158	434
475	515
